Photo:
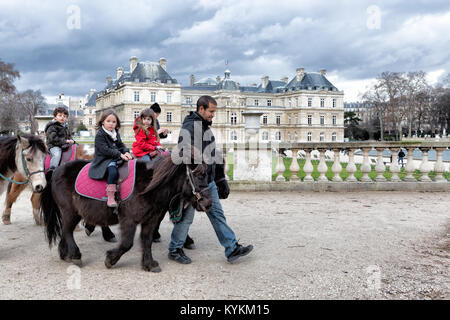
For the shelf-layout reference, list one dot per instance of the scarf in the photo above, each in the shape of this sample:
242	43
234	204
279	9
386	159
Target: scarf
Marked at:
112	134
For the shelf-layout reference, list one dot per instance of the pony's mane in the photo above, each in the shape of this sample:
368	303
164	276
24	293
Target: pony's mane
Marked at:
8	150
163	170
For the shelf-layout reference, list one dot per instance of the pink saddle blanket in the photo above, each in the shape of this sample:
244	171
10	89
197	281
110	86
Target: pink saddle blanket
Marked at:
68	155
96	189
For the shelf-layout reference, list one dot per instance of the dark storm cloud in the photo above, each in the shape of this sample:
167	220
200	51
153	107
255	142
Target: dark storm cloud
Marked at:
256	37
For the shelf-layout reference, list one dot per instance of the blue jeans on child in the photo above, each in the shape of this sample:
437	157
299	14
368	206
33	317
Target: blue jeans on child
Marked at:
55	157
145	158
113	173
224	233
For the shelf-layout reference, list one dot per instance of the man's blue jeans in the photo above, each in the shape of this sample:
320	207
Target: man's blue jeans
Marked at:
224	233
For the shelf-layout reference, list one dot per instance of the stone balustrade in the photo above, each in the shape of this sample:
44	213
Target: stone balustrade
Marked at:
368	161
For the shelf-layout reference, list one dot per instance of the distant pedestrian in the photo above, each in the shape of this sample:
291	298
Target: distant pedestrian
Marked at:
401	155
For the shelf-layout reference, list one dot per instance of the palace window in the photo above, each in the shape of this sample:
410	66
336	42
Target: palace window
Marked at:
169	116
322	102
264	119
334	103
265	135
334	120
269	103
169	97
322	120
333	136
309	119
309	136
152	96
322	136
135	114
136	96
309	102
256	102
233	118
278	136
233	135
278	119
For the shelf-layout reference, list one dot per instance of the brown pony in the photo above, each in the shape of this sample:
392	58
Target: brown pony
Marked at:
14	190
24	155
155	186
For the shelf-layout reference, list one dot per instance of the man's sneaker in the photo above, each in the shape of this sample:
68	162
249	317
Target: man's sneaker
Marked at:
189	243
240	251
179	256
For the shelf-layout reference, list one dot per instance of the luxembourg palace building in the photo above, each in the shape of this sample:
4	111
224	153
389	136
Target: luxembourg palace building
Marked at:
305	108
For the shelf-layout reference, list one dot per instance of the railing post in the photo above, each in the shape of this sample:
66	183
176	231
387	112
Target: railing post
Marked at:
365	167
380	168
410	166
337	167
280	167
425	166
227	165
351	166
294	168
439	167
395	168
322	167
308	168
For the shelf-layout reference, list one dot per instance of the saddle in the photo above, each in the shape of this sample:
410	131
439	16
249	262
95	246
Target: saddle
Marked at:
96	189
66	156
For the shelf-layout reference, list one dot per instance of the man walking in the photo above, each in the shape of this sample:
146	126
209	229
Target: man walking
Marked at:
196	132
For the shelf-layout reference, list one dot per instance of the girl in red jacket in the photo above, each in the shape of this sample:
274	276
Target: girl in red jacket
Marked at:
147	144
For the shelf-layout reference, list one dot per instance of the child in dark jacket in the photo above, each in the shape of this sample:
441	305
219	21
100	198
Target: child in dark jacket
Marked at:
109	150
58	135
147	144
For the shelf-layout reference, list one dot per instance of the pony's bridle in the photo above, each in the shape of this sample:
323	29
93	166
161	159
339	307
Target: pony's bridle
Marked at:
25	169
197	194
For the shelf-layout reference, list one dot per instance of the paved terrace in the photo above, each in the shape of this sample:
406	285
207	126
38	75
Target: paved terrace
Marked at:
308	245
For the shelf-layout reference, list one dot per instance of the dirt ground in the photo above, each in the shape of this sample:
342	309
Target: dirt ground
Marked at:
367	245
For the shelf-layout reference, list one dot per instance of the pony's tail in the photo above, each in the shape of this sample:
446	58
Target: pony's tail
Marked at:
50	213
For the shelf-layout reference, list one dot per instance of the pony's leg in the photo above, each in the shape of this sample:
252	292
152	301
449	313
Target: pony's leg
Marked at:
148	264
127	231
36	204
108	235
156	235
72	252
13	193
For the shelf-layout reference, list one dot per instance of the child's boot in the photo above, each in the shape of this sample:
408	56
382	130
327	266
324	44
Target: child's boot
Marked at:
110	192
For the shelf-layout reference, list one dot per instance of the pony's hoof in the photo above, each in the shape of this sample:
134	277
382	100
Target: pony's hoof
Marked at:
77	262
108	263
6	220
88	232
152	268
156	269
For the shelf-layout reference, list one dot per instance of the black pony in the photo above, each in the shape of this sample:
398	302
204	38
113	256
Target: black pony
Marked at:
156	184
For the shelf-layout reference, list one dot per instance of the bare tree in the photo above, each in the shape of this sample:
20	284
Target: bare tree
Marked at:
30	102
7	76
8	111
416	86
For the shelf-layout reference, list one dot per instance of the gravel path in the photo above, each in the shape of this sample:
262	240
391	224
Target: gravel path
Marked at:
368	245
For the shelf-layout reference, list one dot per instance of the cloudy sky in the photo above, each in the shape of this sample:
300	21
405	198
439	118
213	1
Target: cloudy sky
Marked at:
71	46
